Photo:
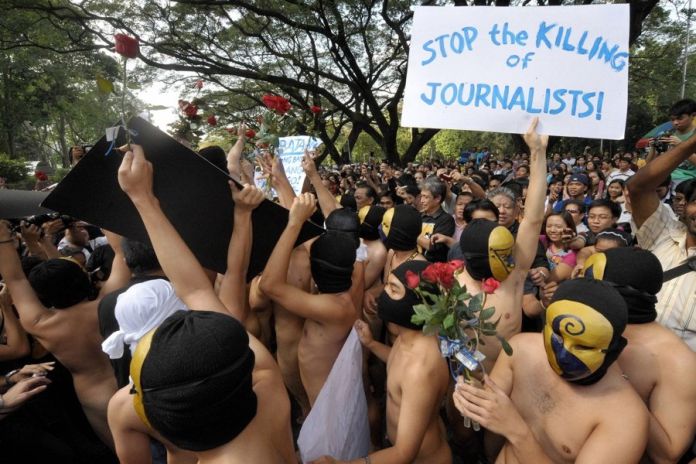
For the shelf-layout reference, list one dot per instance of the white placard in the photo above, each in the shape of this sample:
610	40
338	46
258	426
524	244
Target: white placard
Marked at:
496	68
291	150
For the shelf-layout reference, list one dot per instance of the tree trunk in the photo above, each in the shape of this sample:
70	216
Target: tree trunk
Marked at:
61	140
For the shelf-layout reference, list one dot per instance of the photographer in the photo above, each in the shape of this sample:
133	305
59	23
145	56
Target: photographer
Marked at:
682	115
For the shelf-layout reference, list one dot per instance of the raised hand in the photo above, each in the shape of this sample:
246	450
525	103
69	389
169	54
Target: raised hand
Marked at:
247	198
302	209
135	174
535	141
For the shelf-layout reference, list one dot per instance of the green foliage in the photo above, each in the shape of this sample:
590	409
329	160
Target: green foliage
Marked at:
12	170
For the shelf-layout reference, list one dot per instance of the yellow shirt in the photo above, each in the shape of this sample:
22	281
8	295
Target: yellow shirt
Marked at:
665	236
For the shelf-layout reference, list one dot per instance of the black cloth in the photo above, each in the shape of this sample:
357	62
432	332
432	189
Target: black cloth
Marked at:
400	311
108	325
443	223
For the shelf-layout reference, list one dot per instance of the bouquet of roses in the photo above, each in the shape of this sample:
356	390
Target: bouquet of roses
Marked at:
460	321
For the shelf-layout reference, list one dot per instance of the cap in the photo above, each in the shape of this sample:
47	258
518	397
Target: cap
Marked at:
582	178
193	193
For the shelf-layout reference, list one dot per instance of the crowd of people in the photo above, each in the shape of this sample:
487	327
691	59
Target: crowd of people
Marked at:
118	350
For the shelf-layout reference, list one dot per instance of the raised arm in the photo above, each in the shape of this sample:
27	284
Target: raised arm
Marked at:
16	344
178	262
320	308
641	186
273	167
327	202
120	273
234	156
233	287
528	235
31	311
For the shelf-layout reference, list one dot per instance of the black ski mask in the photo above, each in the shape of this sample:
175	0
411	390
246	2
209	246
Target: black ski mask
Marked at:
331	259
399	312
401	226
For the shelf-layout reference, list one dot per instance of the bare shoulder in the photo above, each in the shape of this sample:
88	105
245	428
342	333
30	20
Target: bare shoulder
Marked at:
428	366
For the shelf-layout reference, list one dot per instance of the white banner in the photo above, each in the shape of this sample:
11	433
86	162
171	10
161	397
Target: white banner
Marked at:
496	68
291	150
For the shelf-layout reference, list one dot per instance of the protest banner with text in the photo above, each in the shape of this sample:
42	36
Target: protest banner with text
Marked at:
494	69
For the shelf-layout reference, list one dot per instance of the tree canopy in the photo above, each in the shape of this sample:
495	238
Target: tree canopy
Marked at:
347	57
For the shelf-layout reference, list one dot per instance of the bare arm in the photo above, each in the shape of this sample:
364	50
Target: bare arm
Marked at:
178	262
31	311
619	438
642	185
119	270
327	202
234	156
528	235
673	410
233	287
16	343
320	308
132	445
365	335
273	168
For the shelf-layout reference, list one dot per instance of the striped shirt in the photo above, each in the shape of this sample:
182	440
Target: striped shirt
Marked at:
665	236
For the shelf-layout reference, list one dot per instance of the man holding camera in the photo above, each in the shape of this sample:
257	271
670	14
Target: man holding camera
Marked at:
682	115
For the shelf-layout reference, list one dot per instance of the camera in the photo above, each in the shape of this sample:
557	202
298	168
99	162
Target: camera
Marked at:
661	147
40	219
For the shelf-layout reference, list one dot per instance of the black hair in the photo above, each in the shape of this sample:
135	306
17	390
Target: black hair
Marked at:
393	196
60	283
369	191
613	207
578	203
140	257
406	179
567	218
685	106
688	188
479	205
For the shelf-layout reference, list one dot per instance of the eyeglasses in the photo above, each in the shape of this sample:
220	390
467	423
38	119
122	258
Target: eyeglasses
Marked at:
573	211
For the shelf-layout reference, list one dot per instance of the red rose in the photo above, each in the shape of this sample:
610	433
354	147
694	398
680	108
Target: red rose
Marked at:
198	84
277	103
190	111
212	120
315	109
490	285
412	279
40	175
250	133
445	274
126	46
429	274
456	264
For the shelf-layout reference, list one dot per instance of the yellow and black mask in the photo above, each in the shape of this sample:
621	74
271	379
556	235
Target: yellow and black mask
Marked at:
582	332
192	379
370	218
401	227
488	249
635	273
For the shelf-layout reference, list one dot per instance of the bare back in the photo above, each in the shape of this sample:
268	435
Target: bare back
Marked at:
417	368
322	342
507	301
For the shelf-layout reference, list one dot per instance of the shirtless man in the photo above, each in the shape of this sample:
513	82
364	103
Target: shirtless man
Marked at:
656	361
328	315
417	380
236	430
370	219
489	247
58	314
560	397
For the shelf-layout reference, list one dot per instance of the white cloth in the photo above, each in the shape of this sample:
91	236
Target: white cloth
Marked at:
361	252
138	310
337	424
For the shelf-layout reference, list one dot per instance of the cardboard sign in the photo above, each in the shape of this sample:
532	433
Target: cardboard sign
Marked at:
291	150
193	193
494	69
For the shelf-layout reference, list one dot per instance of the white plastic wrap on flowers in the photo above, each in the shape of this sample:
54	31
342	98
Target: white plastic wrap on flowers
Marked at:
337	424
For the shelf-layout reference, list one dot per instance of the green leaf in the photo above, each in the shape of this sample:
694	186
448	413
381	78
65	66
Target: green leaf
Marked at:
431	329
506	346
487	313
448	323
463	296
476	303
104	85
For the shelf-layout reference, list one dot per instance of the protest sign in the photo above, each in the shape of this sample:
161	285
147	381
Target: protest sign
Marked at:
291	150
494	69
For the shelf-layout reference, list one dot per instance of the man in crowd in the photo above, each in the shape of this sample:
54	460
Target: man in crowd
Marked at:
435	220
671	240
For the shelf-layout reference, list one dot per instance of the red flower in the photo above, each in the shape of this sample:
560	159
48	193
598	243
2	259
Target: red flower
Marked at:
456	264
250	133
212	120
446	274
280	105
490	285
315	109
126	46
412	279
430	274
40	175
198	84
190	111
